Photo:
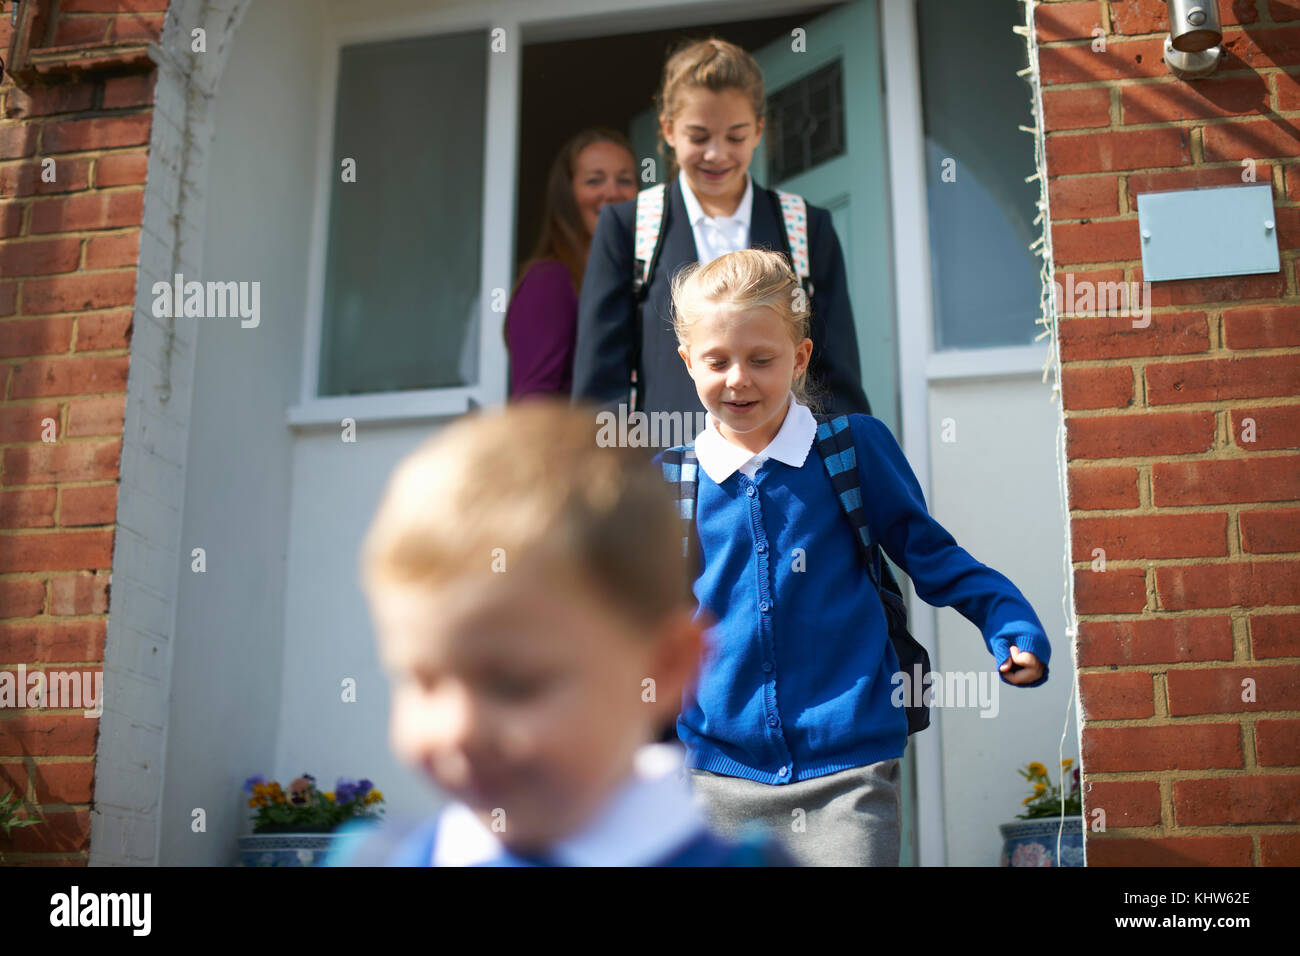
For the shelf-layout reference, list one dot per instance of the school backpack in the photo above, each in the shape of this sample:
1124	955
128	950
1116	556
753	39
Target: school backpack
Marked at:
835	445
648	241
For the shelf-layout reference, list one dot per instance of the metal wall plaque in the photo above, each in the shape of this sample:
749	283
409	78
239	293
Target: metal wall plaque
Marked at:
1216	231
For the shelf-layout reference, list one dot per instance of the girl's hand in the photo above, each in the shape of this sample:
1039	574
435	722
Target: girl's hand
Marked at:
1028	668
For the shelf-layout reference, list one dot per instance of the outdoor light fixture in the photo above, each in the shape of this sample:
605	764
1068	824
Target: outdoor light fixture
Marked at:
1192	48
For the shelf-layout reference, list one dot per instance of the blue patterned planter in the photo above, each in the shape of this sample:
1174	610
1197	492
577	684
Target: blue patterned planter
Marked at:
284	849
1033	842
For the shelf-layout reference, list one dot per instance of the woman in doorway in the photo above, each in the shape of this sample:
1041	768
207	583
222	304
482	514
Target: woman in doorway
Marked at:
711	116
593	169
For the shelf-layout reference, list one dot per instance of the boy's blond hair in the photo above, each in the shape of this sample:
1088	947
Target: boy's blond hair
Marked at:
744	280
531	481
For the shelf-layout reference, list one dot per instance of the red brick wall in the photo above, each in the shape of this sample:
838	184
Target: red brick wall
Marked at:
1200	528
68	253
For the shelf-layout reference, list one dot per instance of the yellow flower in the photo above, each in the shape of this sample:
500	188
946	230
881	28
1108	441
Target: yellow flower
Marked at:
1037	769
1067	763
1039	788
1026	800
329	795
374	796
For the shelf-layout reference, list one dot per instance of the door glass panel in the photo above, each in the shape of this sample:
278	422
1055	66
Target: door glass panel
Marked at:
400	304
986	282
805	123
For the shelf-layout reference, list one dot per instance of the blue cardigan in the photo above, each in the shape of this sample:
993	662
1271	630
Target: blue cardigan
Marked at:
797	682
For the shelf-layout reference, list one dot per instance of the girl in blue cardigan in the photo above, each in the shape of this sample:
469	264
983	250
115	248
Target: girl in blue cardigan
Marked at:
795	719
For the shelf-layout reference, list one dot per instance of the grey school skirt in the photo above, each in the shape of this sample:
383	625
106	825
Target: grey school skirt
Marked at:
849	818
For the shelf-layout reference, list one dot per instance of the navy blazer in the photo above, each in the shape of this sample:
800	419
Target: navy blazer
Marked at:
607	310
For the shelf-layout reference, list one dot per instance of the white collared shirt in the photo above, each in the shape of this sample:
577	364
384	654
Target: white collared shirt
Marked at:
649	817
717	237
720	458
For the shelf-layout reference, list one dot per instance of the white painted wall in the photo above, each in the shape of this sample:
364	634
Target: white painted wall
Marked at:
995	490
265	637
227	668
327	630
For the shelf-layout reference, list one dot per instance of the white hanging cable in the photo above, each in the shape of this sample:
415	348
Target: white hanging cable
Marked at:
1042	246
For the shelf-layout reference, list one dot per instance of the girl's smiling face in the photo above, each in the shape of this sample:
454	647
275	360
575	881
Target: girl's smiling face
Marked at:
744	363
713	136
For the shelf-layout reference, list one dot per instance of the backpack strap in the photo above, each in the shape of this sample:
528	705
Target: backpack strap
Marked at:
647	239
682	471
648	236
835	445
794	213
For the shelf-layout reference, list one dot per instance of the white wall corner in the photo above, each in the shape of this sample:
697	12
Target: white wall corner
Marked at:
132	743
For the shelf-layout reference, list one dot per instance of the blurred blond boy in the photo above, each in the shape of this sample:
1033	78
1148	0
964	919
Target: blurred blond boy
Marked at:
533	613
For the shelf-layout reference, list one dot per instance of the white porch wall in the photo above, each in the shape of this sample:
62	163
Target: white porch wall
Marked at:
227	695
995	489
265	637
327	631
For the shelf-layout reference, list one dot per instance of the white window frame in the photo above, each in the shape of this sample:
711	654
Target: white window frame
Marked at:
497	212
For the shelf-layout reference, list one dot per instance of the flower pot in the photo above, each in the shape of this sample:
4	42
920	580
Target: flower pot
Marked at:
299	848
1033	842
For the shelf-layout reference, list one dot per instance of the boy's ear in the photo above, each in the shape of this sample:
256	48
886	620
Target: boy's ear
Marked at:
685	355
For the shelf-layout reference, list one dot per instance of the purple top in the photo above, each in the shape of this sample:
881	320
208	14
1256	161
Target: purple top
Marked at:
541	328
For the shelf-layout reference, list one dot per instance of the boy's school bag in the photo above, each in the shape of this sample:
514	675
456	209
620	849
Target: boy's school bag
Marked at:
409	842
835	445
648	241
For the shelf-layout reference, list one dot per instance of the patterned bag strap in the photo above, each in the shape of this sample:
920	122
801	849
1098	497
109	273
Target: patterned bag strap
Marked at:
835	445
794	212
648	235
682	471
835	438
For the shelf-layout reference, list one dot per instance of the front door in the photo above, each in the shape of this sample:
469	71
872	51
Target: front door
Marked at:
825	140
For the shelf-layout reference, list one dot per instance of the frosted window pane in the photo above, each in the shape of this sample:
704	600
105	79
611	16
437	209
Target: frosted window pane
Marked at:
986	282
401	294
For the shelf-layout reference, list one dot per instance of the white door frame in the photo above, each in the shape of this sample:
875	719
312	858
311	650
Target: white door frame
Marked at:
554	20
919	364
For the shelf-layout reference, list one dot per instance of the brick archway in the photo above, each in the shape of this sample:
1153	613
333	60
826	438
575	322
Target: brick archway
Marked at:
117	103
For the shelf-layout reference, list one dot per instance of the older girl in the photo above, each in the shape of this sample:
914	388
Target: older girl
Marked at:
711	117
